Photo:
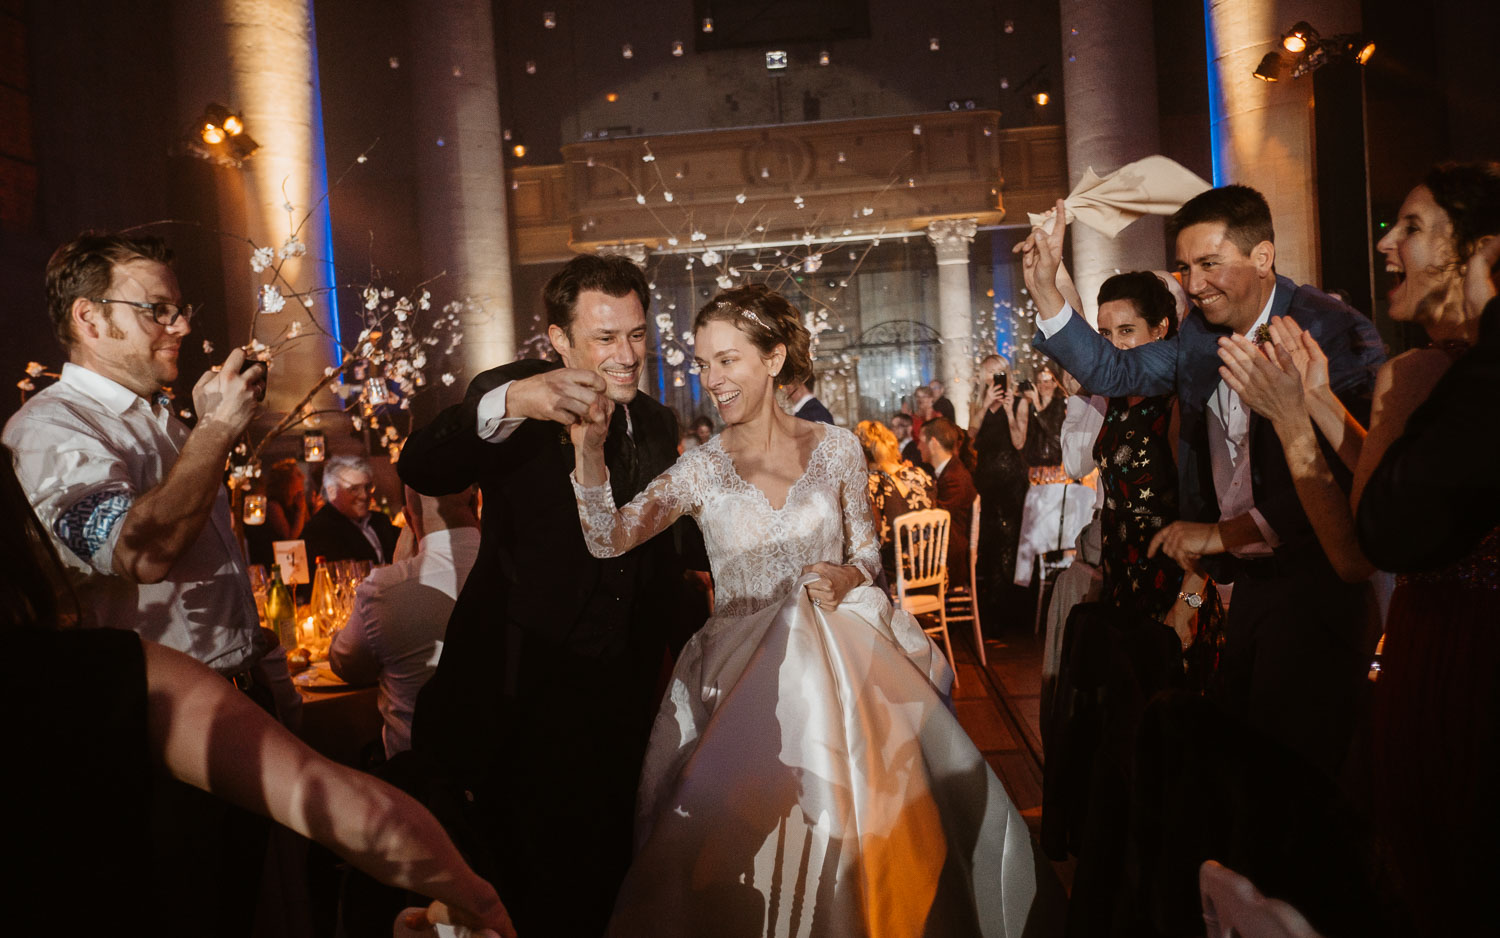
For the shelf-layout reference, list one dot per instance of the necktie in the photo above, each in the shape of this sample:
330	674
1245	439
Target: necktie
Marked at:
620	455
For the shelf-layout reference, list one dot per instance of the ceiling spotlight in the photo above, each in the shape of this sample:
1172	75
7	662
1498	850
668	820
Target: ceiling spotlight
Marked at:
224	133
1299	37
518	145
233	125
1363	49
212	133
1042	98
1269	68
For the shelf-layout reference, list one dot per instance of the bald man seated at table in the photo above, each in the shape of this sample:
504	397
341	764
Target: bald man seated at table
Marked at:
395	633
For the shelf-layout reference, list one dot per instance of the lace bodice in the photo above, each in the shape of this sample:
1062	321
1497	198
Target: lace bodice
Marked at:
757	552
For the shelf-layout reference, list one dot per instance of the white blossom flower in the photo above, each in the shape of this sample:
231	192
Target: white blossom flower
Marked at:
26	384
724	281
663	322
675	356
295	330
35	369
257	345
419	360
448	379
386	293
208	347
292	247
640	199
424	301
667	194
812	263
328	372
261	258
372	297
711	257
356	422
271	300
395	450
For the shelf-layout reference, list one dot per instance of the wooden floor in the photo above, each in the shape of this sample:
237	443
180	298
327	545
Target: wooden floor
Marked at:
1000	707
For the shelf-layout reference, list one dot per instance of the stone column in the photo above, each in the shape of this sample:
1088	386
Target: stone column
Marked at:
259	57
1262	131
460	170
950	239
1109	99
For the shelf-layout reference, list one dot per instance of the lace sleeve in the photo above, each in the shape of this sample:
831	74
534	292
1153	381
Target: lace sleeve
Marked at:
610	532
861	549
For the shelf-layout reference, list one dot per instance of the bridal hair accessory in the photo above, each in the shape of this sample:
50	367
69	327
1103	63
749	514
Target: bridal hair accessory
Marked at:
751	316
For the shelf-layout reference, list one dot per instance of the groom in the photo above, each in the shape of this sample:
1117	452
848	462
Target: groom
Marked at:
541	705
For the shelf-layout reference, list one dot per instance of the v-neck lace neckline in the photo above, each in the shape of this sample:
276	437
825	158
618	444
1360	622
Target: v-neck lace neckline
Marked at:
734	471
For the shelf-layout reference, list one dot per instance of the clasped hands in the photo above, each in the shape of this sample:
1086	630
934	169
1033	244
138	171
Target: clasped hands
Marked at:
572	397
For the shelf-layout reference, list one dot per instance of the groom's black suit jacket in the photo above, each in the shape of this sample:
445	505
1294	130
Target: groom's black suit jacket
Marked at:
543	698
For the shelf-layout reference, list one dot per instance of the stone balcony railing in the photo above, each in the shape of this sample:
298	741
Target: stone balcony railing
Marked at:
791	183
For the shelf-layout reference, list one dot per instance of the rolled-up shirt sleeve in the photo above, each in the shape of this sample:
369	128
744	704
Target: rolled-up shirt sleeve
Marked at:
80	489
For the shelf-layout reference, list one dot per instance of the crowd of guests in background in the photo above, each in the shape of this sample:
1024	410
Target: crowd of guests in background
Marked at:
1255	461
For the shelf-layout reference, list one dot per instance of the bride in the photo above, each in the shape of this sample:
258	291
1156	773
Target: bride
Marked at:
805	775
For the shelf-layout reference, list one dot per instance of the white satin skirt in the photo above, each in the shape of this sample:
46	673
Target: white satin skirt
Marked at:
806	776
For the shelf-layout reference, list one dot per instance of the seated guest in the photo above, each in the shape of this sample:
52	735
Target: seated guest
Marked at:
940	442
901	428
135	708
395	633
896	487
286	511
346	528
803	403
703	430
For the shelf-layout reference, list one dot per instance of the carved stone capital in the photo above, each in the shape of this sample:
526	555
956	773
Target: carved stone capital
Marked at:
636	252
951	238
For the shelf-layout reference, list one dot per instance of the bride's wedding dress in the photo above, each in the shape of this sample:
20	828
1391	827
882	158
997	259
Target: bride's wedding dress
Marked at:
806	775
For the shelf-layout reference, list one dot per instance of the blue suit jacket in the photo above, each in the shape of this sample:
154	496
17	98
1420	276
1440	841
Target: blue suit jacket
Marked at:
1188	365
815	411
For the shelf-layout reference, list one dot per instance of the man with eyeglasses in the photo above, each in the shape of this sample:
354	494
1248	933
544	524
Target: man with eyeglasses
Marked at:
345	528
137	508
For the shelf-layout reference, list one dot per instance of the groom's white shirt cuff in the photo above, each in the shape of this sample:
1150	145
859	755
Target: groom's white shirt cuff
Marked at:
1050	327
493	425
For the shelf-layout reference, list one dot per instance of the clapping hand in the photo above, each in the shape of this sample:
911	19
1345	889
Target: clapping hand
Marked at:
1266	379
1479	279
1306	354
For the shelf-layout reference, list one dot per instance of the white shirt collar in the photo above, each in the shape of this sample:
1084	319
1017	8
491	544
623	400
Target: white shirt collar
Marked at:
1265	315
801	404
107	391
938	469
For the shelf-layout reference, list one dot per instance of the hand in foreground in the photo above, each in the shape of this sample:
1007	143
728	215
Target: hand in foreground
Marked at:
833	584
563	395
226	397
1265	379
1479	279
493	921
1183	619
1307	355
1187	541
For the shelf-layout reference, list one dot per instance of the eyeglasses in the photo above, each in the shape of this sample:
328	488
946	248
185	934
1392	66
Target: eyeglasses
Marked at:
164	314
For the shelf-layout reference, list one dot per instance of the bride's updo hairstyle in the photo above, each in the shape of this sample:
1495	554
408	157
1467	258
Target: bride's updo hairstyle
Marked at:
768	320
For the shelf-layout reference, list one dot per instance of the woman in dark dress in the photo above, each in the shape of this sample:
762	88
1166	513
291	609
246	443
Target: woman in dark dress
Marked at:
896	487
1437	702
1137	467
1037	416
1000	477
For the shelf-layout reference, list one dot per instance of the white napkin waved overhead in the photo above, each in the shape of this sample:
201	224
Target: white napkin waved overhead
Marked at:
1155	185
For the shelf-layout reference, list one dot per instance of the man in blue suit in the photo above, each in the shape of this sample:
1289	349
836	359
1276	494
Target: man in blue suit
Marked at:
1298	638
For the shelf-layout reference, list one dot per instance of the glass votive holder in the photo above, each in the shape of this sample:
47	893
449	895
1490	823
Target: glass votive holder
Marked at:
255	509
314	447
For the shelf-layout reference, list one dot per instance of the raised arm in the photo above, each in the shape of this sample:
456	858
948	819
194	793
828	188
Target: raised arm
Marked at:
210	736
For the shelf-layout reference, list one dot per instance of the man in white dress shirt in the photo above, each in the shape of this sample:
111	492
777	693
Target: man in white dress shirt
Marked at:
395	634
136	504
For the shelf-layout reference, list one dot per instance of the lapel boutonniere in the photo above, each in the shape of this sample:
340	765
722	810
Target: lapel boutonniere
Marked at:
1262	334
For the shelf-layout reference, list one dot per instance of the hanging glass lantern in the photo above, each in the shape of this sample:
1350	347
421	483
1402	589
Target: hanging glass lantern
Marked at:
314	446
255	509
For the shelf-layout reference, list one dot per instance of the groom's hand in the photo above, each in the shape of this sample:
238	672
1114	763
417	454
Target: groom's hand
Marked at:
564	395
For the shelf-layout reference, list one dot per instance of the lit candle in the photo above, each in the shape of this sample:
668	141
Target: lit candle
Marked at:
255	509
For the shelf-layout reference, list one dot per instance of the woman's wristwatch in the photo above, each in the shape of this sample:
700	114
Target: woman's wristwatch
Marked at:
1193	600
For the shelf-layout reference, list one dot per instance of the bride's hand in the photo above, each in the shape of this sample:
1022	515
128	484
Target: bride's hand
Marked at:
589	433
833	584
